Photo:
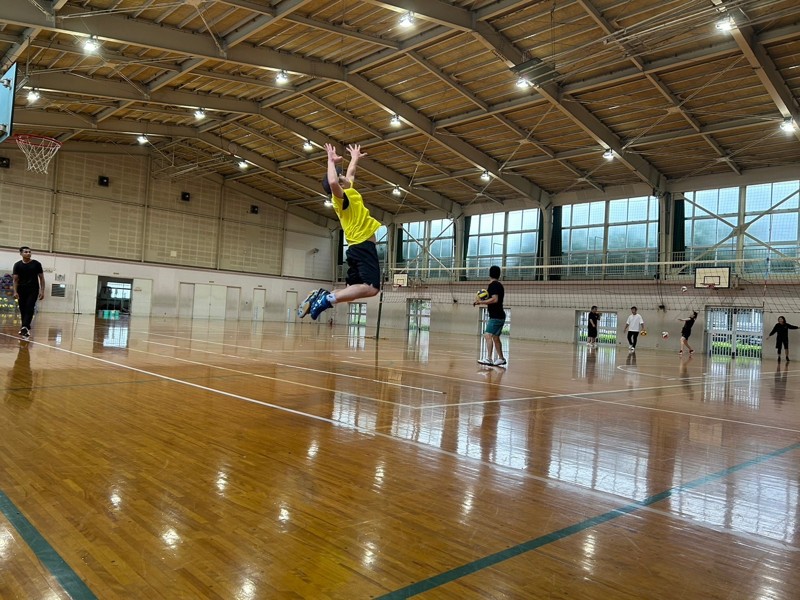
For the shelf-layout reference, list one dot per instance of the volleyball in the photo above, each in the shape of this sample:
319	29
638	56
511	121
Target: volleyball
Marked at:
683	289
482	295
665	335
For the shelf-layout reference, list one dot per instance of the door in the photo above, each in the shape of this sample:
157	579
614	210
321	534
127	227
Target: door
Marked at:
735	332
232	303
291	307
219	302
86	294
185	300
141	297
259	304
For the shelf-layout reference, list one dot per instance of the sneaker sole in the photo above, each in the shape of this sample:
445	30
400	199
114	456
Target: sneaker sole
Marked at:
305	305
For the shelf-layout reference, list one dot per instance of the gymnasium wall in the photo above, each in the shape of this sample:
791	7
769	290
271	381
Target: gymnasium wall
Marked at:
141	216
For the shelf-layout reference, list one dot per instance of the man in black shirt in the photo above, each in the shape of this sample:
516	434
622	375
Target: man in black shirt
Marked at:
28	288
497	318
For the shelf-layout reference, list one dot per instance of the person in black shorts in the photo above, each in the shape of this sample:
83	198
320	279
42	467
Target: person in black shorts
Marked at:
593	320
497	317
364	267
686	332
28	288
782	341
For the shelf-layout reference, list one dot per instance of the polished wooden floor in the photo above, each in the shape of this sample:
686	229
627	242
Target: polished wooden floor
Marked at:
179	459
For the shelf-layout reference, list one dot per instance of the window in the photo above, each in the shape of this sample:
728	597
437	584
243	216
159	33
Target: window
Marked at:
617	231
711	216
509	240
771	215
429	246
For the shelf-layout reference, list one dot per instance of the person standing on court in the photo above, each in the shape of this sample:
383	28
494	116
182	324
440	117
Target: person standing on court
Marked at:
782	341
686	332
497	318
364	267
28	288
593	320
634	325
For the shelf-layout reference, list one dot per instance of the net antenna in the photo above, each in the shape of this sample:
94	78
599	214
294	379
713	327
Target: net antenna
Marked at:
38	149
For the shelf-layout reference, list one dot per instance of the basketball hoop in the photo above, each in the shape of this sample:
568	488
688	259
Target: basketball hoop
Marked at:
711	286
38	149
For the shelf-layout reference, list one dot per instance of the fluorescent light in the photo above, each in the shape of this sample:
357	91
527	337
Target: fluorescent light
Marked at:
608	154
142	139
397	191
787	125
407	20
308	147
395	121
199	114
282	76
33	95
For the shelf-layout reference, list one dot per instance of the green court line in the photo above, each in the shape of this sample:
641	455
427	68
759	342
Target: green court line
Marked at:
57	566
498	557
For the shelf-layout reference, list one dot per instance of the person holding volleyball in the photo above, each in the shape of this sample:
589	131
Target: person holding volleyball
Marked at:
497	318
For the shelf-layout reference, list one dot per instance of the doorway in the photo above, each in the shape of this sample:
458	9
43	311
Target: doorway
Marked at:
734	332
259	304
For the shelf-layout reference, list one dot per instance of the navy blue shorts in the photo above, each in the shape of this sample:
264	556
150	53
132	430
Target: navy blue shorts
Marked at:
363	265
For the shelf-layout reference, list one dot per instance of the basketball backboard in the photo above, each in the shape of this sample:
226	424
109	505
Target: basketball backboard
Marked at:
8	87
716	277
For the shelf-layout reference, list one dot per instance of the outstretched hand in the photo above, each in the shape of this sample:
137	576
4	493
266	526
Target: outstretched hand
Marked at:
331	150
355	151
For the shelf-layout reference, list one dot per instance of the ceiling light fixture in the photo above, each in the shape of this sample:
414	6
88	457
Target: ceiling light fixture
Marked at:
242	164
328	202
33	95
91	44
726	24
608	154
308	147
142	139
407	20
395	121
397	191
199	114
485	176
523	83
787	125
282	76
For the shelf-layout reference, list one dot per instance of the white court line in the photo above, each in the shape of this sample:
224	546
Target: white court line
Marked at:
239	372
320	371
510	471
584	396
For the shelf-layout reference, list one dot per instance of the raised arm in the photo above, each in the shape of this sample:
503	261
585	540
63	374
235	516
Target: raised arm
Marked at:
333	176
355	155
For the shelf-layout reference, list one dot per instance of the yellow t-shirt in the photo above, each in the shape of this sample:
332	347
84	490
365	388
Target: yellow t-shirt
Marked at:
356	221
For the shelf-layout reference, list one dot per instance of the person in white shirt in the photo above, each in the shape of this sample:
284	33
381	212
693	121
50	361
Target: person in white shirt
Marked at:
634	326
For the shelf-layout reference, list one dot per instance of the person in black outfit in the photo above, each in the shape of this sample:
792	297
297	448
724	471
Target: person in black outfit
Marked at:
497	317
594	318
686	332
28	288
782	341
